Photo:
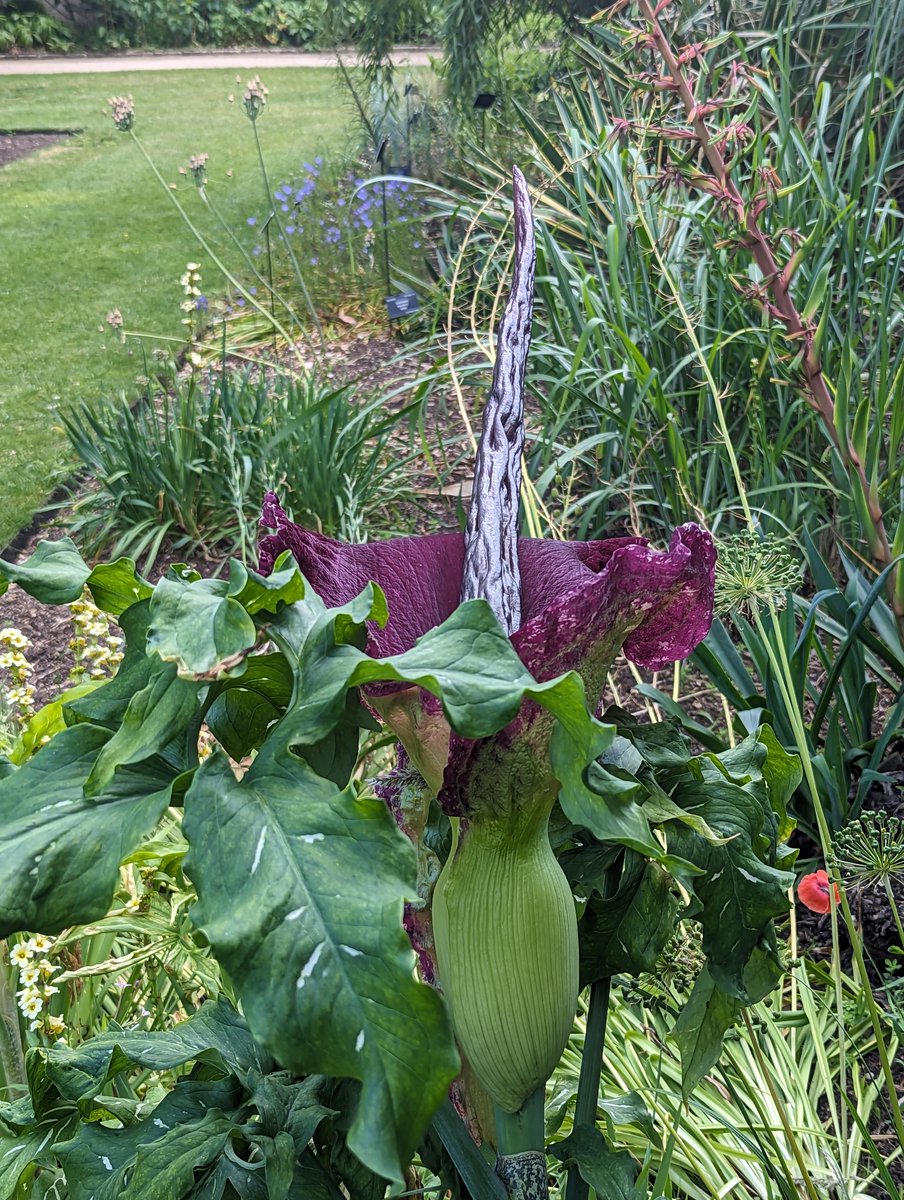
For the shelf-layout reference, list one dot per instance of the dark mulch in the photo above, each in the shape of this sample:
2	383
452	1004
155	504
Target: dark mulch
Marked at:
17	145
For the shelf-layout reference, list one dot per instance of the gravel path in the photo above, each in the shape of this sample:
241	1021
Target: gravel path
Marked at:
233	60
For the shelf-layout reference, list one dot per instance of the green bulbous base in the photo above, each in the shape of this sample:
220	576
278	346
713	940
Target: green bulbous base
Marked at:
507	951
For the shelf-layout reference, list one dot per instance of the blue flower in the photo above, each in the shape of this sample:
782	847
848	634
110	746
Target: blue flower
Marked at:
253	291
201	303
252	220
290	229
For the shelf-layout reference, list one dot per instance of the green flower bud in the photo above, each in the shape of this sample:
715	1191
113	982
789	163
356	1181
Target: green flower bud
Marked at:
507	952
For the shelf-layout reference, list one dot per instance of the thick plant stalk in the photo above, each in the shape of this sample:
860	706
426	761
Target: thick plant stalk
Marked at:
778	282
491	541
520	1165
491	572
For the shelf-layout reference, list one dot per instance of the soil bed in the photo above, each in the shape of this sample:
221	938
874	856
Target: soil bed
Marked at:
18	145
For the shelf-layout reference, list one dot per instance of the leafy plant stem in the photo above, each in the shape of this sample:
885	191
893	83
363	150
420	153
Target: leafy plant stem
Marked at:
208	249
12	1058
227	229
585	1107
893	905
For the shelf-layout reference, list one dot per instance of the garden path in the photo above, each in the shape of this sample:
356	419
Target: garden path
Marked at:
240	60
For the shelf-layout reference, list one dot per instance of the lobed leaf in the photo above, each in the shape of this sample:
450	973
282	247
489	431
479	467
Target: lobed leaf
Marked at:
308	921
59	851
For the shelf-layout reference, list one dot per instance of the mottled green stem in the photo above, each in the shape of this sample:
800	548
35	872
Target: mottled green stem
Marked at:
520	1142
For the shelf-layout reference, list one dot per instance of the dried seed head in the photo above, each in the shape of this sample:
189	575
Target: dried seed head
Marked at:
123	112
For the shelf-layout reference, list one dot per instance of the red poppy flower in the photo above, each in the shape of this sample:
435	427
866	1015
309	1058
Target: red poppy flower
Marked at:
813	891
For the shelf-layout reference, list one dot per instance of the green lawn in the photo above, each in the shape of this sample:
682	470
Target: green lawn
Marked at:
85	228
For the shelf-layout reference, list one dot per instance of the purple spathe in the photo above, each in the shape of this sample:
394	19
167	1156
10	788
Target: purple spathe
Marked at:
657	604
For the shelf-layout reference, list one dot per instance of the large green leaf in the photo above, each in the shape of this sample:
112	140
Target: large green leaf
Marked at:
703	1022
55	574
97	1159
242	709
198	625
627	932
300	890
738	894
165	1169
611	1174
605	800
153	717
266	593
60	852
117	586
205	626
19	1153
468	662
710	1012
216	1033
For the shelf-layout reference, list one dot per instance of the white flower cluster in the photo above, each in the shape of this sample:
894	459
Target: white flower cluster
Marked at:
190	306
35	974
123	112
96	653
197	164
19	694
255	98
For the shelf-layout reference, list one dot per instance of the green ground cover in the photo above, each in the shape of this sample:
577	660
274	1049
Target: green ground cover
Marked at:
85	228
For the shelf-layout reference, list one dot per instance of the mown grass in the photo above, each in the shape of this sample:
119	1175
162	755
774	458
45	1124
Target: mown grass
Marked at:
85	228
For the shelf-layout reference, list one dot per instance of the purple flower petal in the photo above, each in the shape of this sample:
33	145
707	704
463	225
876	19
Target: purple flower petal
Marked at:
580	601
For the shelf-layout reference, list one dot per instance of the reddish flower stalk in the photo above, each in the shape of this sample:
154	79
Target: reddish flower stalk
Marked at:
816	389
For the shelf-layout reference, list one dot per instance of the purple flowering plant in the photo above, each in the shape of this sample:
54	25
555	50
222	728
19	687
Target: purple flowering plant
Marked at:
336	219
407	954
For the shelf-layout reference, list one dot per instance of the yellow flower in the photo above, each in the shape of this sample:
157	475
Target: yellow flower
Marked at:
32	1006
56	1026
20	955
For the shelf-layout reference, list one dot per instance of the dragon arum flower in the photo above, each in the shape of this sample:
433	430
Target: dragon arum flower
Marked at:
503	916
